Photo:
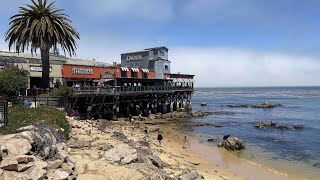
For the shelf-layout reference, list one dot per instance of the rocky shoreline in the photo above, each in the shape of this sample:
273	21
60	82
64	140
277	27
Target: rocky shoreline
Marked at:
95	150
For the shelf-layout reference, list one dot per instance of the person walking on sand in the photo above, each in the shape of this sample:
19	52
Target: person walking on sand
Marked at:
131	121
146	133
130	117
185	142
160	137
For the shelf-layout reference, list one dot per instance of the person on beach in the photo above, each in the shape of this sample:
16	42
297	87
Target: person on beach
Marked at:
185	142
130	117
132	120
140	117
146	133
160	137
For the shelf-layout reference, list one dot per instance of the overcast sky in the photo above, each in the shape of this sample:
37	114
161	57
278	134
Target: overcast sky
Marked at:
222	42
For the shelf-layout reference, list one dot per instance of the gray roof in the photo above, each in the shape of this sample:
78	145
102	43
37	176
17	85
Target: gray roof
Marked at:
87	62
146	50
6	55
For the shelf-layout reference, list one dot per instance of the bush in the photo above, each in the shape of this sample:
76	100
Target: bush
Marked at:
63	91
20	116
12	80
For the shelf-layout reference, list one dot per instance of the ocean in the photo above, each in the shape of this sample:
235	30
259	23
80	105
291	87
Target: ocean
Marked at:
296	151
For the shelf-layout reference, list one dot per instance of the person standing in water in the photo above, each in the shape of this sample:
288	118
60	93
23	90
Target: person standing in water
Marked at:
160	137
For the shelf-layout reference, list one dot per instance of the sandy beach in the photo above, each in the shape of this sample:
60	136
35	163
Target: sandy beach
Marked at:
212	162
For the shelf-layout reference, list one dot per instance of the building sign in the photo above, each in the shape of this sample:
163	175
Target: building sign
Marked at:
137	57
107	75
81	71
38	68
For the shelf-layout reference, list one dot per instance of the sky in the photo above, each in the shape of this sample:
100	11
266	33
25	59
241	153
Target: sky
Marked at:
224	43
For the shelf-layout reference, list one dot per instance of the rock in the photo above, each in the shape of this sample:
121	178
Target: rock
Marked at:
190	176
265	124
24	167
67	167
18	147
282	127
201	114
298	127
54	164
40	164
232	143
1	172
9	164
26	128
4	152
122	153
156	161
267	105
24	159
59	174
203	104
36	173
10	175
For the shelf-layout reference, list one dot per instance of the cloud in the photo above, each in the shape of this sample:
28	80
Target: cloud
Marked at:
236	67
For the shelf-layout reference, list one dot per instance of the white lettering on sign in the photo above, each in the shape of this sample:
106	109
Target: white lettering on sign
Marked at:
106	76
38	68
81	71
137	57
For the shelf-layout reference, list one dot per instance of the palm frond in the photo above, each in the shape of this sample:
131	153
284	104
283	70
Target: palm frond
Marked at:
41	25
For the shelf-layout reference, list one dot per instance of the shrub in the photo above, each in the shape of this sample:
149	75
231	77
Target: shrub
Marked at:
63	91
12	80
20	116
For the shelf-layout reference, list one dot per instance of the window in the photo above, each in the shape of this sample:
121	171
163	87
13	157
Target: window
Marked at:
166	67
161	53
123	73
145	75
134	74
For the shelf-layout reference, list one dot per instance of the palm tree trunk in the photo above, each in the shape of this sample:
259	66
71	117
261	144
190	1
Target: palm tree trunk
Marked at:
45	68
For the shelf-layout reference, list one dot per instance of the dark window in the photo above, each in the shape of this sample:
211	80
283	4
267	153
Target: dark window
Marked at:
134	74
123	73
161	53
145	75
166	67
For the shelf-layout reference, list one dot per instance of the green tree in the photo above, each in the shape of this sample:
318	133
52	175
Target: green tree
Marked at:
12	80
42	26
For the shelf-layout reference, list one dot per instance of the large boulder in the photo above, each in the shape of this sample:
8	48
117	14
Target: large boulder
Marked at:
265	124
11	175
203	104
190	176
232	143
9	164
121	153
156	161
36	173
16	146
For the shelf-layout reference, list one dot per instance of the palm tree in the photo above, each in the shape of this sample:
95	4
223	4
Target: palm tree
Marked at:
42	26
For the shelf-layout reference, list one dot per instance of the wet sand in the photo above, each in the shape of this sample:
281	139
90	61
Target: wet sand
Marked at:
213	162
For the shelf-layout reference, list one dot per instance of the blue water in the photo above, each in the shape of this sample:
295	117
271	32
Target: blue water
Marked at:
289	150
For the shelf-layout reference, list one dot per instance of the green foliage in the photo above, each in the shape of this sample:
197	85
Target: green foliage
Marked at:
63	91
41	25
12	80
20	116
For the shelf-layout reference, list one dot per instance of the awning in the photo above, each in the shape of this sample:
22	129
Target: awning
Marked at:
145	70
124	69
135	69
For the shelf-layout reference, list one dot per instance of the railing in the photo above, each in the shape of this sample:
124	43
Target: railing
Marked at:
36	101
128	89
